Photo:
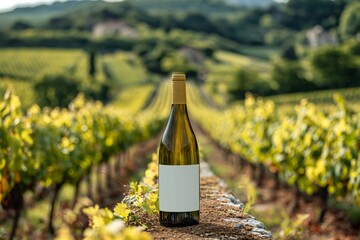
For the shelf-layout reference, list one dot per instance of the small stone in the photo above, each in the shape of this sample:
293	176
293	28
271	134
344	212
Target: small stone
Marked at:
240	206
262	232
222	199
233	212
233	199
230	200
222	184
239	225
253	223
234	220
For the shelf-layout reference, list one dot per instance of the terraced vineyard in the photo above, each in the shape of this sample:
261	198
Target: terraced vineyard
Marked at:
351	95
123	69
134	98
30	63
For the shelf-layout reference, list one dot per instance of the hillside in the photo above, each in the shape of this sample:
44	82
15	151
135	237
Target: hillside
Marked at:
207	7
251	3
42	13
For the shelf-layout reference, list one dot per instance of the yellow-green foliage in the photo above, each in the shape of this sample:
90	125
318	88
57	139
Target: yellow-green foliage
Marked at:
142	200
133	99
309	148
104	225
292	229
124	68
250	190
22	88
28	63
61	145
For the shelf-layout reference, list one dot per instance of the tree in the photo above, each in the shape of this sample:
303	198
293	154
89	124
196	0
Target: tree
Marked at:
267	21
288	52
352	47
20	25
197	22
290	76
301	14
247	80
177	62
92	63
56	90
62	23
334	68
350	20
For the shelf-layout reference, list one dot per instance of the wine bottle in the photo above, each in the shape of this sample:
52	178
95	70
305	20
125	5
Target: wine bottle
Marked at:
179	169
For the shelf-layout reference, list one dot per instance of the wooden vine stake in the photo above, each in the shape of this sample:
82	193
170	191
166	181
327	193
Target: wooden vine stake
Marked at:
76	192
14	200
324	196
57	188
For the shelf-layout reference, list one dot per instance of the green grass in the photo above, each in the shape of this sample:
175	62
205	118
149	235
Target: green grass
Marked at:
260	52
124	68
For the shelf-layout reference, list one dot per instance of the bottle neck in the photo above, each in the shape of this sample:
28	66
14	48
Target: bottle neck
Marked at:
179	92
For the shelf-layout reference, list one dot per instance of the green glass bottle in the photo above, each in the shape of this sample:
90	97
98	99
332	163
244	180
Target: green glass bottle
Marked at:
179	169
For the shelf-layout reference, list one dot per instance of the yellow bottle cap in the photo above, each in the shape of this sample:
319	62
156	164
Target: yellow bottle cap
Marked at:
179	88
178	76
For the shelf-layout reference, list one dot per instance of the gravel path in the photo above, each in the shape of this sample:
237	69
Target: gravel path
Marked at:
221	215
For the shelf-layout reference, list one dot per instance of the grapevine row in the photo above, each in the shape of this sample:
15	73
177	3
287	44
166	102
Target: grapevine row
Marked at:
123	69
133	98
32	63
324	96
142	198
311	150
53	147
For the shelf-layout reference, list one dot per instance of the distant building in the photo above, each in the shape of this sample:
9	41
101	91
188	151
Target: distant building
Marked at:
113	28
317	37
193	55
196	57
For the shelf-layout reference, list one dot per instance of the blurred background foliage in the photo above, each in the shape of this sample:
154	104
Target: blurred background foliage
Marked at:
230	46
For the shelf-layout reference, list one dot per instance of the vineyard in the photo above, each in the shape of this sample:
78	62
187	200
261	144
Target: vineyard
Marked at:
42	150
298	149
123	69
29	64
351	95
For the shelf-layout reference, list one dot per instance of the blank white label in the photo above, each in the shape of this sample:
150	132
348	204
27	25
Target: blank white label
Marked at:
179	188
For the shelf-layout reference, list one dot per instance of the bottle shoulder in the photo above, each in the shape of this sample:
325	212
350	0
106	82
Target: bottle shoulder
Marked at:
178	145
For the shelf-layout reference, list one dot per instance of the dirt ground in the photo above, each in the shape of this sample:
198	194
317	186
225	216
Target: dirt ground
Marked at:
214	218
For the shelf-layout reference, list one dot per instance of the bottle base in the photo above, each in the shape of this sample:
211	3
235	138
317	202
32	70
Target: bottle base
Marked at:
179	219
